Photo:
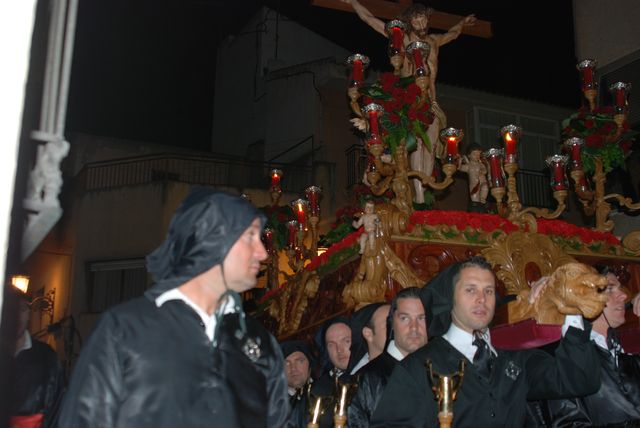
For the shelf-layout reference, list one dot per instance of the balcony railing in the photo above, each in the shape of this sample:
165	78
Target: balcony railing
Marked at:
210	171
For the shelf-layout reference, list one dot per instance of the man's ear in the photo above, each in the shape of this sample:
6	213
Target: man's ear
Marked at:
367	333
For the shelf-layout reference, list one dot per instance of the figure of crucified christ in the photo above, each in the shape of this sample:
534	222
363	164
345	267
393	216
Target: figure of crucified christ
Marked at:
416	17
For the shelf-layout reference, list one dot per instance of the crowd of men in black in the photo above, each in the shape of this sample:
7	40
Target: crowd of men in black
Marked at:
185	354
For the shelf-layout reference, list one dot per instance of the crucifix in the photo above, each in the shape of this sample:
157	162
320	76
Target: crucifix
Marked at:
416	21
388	9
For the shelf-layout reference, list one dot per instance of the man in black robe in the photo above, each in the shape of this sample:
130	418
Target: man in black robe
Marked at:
617	402
460	304
369	334
184	354
38	374
297	367
334	341
407	332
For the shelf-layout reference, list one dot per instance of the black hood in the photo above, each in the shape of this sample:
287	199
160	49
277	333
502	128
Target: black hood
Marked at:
324	363
291	346
437	298
359	320
202	231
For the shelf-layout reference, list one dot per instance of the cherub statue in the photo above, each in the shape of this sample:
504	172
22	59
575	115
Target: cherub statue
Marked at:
475	167
370	221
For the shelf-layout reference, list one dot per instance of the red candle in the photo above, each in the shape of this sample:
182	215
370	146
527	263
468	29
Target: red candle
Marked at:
268	239
358	71
510	148
313	193
452	146
495	168
587	77
621	98
292	227
575	146
276	175
373	122
510	135
417	58
397	36
559	179
576	153
587	72
558	176
299	206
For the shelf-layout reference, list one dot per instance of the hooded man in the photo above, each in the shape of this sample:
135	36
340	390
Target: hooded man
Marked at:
37	374
184	354
617	402
369	338
460	303
297	365
406	332
334	342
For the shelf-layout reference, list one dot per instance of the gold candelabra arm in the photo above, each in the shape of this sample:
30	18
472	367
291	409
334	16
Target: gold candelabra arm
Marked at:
449	169
513	201
354	95
313	222
379	189
590	95
529	215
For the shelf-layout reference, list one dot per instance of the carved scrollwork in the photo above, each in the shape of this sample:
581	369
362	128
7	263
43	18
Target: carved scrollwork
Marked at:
631	242
521	252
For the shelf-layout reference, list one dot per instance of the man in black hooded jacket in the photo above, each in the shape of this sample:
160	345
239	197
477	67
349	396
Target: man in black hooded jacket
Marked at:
460	303
184	355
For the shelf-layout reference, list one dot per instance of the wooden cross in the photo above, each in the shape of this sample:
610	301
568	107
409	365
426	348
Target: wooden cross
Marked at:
387	9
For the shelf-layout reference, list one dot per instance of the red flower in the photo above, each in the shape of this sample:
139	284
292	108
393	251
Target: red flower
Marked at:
589	123
388	81
394	118
626	146
593	141
412	114
607	128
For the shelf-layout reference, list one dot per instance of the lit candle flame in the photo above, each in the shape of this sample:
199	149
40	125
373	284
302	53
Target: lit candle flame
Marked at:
316	411
343	399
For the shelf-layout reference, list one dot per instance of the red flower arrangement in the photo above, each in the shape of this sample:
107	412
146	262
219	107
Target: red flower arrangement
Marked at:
406	115
597	128
461	220
492	222
568	230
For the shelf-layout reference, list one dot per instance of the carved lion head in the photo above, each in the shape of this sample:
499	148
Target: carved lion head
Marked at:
576	288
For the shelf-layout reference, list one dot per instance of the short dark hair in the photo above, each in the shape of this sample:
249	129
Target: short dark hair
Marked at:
475	261
405	293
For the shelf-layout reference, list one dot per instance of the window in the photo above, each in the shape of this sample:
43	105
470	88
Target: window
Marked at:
115	281
540	139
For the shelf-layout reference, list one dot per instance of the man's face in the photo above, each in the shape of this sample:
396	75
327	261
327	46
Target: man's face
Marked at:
475	155
338	341
419	26
409	325
474	299
377	336
297	369
614	308
243	260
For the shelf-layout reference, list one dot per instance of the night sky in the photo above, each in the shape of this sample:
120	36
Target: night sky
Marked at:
145	69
